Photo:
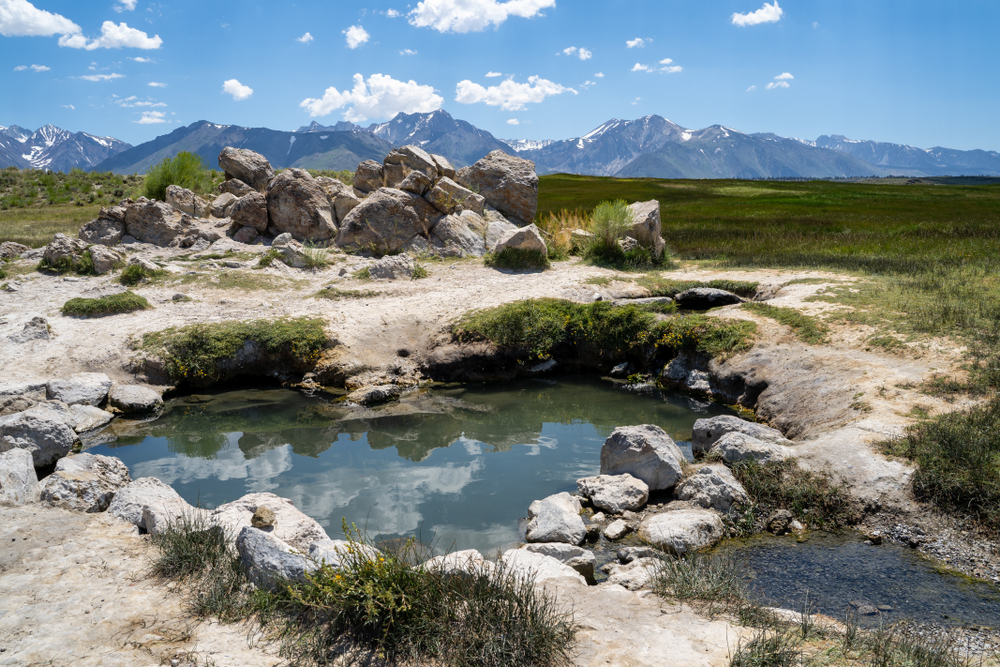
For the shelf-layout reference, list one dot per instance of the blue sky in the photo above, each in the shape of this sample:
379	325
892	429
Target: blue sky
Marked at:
906	71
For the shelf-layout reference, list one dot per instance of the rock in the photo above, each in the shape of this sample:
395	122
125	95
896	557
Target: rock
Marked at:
578	558
448	196
263	518
706	432
87	418
369	176
297	204
144	263
250	167
528	239
645	452
235	187
222	204
616	530
733	447
18	481
344	202
82	388
538	567
159	517
377	395
36	329
64	249
469	562
292	525
105	259
629	554
556	519
155	222
339	553
385	221
445	169
129	502
508	184
780	521
621	370
107	229
85	482
40	431
187	201
392	267
600	517
703	298
682	531
712	487
614	493
416	182
281	240
635	576
134	399
628	244
268	561
544	367
245	235
455	229
250	211
11	250
401	163
293	254
646	228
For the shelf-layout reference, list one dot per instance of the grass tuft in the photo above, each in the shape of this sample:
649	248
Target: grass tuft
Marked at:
331	292
419	272
133	274
517	259
82	267
115	304
806	328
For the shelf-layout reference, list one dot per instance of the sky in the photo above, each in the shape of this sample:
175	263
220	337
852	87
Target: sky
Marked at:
904	71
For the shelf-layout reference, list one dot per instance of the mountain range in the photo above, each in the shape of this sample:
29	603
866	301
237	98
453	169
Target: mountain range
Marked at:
646	147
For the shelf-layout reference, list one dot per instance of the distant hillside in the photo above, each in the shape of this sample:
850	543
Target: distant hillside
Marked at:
911	161
55	149
437	132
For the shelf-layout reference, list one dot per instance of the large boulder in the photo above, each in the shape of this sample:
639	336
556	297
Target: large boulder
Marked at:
538	567
507	183
735	446
155	222
369	176
645	452
63	249
646	227
39	430
129	502
582	560
250	210
187	201
614	493
497	228
556	519
85	482
269	561
297	204
236	187
385	221
682	531
448	196
707	431
107	229
400	164
456	230
134	399
246	165
445	169
703	298
87	417
159	517
18	481
527	239
712	487
291	525
80	388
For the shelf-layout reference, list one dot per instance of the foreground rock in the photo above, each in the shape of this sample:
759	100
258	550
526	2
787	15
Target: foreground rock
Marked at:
18	481
291	525
392	267
706	432
734	447
614	493
85	482
646	452
646	226
268	560
539	567
247	166
682	531
129	502
469	562
186	201
40	431
636	575
81	388
582	560
134	399
507	183
527	239
712	487
297	204
556	519
385	221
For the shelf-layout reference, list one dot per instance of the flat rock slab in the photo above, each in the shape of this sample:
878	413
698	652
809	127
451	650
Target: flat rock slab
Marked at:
682	531
703	298
134	399
83	388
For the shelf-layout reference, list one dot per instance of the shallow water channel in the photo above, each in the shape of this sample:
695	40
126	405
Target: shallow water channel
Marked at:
456	466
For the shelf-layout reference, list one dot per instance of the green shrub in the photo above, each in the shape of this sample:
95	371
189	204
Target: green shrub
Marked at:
185	169
133	274
125	302
268	257
609	223
83	266
517	259
419	272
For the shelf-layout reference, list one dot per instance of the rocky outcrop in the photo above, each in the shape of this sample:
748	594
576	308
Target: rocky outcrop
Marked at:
291	525
85	482
525	239
107	229
37	328
703	298
706	432
582	560
81	388
12	250
409	168
614	493
297	204
645	452
556	519
64	249
247	166
507	183
463	231
635	576
646	226
448	196
734	447
712	487
223	204
682	531
186	201
18	481
538	567
40	431
268	560
385	221
134	399
250	211
369	176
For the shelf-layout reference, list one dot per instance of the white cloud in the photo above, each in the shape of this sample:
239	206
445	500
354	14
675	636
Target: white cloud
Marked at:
34	68
493	75
392	13
637	43
666	67
140	59
305	39
581	53
783	77
513	121
472	15
236	89
102	77
588	84
815	24
125	5
509	95
777	84
156	84
20	18
766	14
112	37
673	69
407	52
599	75
151	118
380	97
584	54
636	101
639	67
356	36
751	89
68	106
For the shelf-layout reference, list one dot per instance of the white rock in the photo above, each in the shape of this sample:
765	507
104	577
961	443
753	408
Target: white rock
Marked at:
134	399
682	531
39	430
468	562
634	576
706	432
392	267
88	418
292	526
129	502
83	388
614	493
85	482
556	519
646	227
582	560
616	530
337	553
539	567
645	452
528	239
268	560
18	481
160	516
735	446
712	487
